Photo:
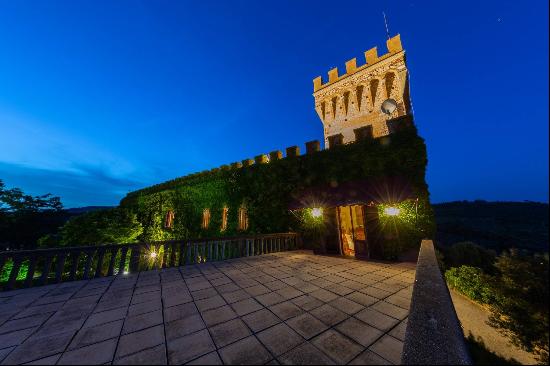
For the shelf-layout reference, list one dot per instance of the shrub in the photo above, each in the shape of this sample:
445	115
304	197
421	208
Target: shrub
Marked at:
472	282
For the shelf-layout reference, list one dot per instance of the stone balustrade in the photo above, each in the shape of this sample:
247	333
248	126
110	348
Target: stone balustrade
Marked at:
27	268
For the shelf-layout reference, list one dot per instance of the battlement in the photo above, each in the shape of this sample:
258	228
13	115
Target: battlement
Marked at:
371	58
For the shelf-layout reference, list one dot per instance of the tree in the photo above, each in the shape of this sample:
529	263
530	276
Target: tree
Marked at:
111	226
25	218
521	309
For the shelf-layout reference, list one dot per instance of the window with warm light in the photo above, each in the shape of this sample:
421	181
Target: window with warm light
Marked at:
243	219
224	219
169	220
205	218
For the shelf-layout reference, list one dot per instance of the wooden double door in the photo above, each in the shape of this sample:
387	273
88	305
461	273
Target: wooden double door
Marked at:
357	228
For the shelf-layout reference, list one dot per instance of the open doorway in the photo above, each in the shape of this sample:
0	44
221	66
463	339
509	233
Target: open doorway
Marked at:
352	231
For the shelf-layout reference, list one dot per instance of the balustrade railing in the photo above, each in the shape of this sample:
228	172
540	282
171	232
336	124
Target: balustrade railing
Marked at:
27	268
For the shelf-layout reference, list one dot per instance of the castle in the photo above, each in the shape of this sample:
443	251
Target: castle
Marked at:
350	105
364	195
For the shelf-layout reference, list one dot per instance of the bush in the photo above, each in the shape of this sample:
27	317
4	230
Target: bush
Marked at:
112	226
472	282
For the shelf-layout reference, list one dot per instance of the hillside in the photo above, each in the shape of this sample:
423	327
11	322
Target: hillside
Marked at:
495	225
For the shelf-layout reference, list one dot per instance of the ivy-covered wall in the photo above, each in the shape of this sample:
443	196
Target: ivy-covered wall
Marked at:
266	189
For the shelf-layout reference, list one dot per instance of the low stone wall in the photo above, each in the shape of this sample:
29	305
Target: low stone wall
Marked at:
433	335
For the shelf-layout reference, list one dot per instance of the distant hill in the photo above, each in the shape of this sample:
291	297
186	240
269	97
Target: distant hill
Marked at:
494	225
81	210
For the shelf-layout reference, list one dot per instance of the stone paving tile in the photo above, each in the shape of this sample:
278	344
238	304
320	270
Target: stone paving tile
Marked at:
234	296
359	331
391	310
211	358
52	360
280	338
105	317
137	341
35	348
151	356
87	336
16	337
142	321
179	312
338	347
95	354
301	309
229	332
369	358
305	354
187	348
389	348
260	320
286	310
377	319
184	326
219	315
24	323
307	302
329	315
399	331
306	325
247	351
246	306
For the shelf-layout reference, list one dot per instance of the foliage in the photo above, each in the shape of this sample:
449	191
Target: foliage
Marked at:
267	189
472	282
117	225
406	229
25	218
517	295
522	307
469	254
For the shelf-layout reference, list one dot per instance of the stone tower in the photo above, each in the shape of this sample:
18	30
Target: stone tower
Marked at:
349	105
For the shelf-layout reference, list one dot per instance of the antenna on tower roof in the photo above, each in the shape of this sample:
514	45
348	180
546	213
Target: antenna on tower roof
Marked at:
386	24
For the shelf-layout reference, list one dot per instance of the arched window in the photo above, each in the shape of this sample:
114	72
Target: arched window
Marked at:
205	218
169	220
224	218
243	218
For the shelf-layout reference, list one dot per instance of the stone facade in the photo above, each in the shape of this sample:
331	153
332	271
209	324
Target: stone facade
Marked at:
353	100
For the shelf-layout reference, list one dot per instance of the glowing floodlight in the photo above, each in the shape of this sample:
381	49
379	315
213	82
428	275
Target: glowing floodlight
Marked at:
153	255
392	211
317	212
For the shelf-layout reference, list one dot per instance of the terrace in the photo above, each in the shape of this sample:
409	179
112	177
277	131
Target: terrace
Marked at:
283	307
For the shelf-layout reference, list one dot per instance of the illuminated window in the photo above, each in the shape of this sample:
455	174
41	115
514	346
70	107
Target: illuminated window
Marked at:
169	220
205	218
243	218
224	218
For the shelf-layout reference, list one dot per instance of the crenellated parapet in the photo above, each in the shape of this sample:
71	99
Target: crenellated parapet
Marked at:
353	100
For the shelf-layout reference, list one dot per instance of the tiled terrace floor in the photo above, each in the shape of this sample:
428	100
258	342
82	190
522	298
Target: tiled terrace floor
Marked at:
288	308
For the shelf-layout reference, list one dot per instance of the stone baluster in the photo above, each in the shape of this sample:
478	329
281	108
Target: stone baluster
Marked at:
112	260
30	273
100	257
75	255
89	257
17	260
122	264
60	267
45	270
135	258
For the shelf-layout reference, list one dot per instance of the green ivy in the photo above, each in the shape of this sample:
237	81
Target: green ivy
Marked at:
267	189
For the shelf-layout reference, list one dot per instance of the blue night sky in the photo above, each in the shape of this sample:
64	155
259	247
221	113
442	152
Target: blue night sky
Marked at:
101	97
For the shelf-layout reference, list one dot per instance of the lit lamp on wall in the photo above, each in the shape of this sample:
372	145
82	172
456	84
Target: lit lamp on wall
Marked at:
392	211
316	212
